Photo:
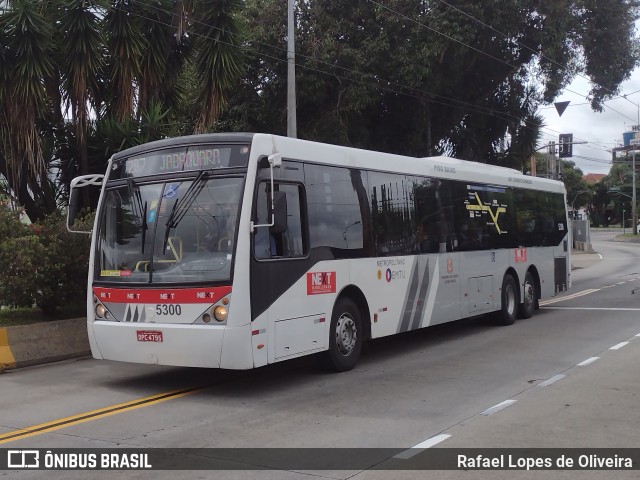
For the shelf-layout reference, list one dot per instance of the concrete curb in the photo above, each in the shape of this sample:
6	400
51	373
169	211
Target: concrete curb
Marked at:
37	343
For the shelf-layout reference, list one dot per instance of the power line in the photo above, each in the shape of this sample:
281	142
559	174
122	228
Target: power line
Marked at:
525	46
476	49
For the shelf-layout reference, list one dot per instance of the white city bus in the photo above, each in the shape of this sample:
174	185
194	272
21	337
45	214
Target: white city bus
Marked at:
239	250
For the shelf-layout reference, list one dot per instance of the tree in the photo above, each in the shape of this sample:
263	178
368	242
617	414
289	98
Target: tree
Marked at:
25	42
80	79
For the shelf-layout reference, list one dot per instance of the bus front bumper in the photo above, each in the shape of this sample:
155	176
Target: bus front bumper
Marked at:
164	344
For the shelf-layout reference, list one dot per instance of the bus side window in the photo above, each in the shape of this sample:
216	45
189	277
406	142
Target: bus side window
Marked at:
276	243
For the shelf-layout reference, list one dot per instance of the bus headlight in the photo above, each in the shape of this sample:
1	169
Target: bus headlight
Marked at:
101	311
220	313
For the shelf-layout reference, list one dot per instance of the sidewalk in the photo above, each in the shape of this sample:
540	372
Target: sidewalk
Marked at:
38	343
581	259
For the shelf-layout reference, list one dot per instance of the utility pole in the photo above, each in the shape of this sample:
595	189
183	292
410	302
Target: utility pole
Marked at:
633	143
291	73
634	210
551	161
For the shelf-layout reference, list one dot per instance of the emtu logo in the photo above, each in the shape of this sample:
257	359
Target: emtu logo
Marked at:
321	282
23	459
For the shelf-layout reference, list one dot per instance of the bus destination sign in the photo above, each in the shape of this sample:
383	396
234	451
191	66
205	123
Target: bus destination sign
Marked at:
172	160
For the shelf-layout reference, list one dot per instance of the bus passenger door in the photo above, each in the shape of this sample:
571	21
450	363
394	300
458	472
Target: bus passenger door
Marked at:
279	269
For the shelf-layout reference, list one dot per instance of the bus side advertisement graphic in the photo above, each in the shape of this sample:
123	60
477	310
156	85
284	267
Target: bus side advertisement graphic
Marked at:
321	282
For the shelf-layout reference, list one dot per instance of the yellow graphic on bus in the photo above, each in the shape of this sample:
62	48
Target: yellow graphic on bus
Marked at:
487	208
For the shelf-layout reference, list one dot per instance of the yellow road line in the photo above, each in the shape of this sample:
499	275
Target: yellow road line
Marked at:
94	414
6	355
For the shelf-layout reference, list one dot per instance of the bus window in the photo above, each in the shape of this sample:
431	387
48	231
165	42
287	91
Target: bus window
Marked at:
335	213
433	215
289	243
393	214
528	222
554	220
483	216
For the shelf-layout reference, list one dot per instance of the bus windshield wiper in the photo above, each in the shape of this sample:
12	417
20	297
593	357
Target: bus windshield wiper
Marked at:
182	205
138	209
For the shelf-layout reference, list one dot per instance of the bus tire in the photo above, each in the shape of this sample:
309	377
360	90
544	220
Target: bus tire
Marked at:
346	336
528	304
508	300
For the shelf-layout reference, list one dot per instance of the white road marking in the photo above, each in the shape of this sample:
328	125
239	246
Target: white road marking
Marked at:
421	447
552	380
568	297
588	361
619	346
498	407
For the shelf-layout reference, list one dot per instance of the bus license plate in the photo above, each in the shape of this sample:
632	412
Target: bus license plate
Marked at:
149	336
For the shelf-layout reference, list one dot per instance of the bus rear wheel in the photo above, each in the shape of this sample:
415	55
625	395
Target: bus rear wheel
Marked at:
509	301
346	336
528	304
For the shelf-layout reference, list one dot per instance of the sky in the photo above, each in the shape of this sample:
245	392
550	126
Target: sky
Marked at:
602	131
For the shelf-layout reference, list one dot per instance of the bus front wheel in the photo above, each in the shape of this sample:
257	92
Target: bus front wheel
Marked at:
346	336
509	301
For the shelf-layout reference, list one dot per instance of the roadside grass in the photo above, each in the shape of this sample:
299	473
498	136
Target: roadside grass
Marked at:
628	237
24	316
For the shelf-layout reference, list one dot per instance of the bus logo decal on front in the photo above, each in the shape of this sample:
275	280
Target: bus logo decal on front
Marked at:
133	315
321	282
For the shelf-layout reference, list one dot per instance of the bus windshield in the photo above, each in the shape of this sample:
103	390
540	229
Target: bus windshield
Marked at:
168	232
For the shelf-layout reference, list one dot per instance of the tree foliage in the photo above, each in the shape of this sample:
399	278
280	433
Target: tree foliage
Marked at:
43	264
80	79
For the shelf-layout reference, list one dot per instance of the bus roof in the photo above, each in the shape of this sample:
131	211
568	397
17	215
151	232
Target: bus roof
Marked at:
323	153
438	166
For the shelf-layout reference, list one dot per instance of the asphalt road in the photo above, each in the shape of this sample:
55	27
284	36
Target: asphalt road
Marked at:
438	384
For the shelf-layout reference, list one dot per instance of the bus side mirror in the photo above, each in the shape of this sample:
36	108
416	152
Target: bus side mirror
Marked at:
75	198
279	213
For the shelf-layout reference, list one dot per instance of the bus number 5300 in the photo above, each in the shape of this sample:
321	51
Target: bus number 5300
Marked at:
168	309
